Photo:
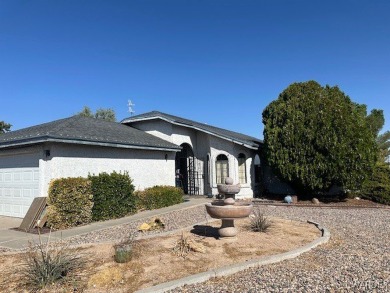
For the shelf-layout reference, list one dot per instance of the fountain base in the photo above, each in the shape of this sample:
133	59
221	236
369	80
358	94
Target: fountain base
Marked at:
227	228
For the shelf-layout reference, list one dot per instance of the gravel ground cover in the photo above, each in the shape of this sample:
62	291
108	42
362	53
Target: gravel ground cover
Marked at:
356	259
172	221
3	249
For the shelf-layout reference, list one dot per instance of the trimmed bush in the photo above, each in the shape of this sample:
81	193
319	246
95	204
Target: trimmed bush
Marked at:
158	197
377	187
112	195
69	203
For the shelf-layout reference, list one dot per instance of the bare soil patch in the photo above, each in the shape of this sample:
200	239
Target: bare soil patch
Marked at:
155	262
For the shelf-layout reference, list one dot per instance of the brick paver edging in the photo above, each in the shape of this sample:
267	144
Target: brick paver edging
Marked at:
231	269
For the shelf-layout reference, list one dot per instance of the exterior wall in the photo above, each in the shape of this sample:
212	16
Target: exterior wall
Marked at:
146	168
169	132
182	135
21	157
159	128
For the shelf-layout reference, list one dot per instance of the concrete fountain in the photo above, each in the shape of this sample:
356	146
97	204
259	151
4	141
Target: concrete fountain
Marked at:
228	210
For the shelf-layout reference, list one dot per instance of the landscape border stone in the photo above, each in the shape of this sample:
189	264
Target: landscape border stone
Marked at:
231	269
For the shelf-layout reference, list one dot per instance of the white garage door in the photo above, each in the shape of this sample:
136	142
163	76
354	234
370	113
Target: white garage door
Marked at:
18	187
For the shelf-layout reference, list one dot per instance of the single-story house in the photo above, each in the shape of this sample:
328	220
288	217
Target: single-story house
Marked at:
154	148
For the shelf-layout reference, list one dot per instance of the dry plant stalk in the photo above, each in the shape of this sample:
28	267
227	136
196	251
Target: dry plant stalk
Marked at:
185	245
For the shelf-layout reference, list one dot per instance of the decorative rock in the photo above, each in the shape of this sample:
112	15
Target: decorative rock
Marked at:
144	227
315	200
357	198
288	199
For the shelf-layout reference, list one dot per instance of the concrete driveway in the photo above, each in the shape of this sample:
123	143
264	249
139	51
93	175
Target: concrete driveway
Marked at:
9	222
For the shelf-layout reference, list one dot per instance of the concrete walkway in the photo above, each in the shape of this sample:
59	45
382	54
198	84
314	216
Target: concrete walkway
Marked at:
17	240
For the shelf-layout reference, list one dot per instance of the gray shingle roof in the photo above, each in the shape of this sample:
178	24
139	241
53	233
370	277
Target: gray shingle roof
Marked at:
250	141
83	130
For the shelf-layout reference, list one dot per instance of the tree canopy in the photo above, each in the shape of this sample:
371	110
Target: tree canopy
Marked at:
4	127
315	137
383	141
105	114
375	121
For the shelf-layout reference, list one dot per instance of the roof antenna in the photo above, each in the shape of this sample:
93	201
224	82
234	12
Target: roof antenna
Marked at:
130	105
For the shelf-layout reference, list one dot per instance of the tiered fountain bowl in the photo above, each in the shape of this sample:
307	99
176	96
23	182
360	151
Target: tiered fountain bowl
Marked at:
228	210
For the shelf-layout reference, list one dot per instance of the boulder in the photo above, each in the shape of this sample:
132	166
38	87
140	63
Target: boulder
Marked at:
144	227
315	200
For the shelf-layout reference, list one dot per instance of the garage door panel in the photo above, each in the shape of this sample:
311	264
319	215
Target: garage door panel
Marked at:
7	177
18	187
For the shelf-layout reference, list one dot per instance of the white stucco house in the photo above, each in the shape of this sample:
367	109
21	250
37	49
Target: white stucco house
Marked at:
154	148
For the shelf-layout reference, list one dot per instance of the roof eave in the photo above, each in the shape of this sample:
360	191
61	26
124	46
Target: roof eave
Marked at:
86	142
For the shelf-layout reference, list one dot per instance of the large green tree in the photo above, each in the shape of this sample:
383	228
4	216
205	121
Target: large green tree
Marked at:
316	137
4	127
105	114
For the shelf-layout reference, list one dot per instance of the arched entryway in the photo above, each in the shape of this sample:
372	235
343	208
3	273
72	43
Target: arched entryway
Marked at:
185	169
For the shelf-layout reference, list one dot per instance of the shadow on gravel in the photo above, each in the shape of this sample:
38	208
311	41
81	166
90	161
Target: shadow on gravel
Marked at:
205	231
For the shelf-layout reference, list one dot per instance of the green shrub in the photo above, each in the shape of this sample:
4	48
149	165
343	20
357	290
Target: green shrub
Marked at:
377	187
112	196
69	203
158	197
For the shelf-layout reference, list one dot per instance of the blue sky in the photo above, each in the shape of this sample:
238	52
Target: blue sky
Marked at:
219	62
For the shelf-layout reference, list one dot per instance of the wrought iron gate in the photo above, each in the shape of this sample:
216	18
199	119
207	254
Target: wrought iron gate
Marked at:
191	179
